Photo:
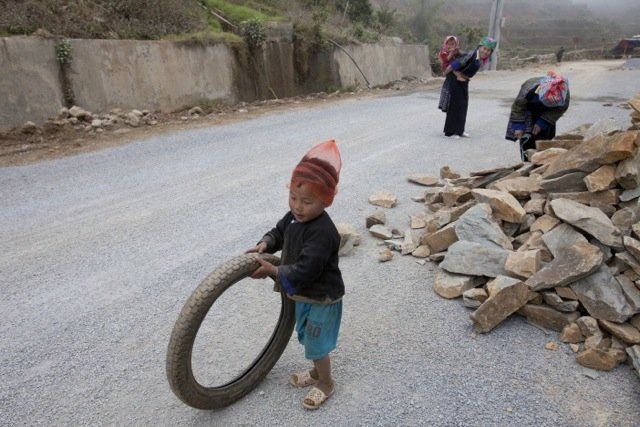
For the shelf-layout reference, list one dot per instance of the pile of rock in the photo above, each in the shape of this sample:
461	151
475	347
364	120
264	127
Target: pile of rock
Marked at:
83	120
556	240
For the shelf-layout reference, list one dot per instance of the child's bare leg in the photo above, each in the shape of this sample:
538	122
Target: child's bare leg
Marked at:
322	368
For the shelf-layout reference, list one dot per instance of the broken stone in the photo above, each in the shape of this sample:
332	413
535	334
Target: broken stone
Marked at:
634	355
572	263
520	187
380	231
602	178
523	264
441	239
504	205
349	238
571	334
544	223
572	182
408	244
385	255
554	300
473	298
593	153
426	180
510	297
547	317
452	196
622	331
447	173
588	219
383	199
478	225
601	295
421	251
451	285
475	259
378	217
600	360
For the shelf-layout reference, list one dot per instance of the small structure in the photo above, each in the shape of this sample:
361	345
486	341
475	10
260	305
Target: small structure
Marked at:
625	47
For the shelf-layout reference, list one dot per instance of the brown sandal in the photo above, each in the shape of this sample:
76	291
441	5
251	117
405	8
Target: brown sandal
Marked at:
302	379
316	397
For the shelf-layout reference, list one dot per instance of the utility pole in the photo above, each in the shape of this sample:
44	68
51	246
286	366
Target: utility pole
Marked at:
495	24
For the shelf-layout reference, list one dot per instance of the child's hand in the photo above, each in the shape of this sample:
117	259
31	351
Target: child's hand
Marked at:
266	269
259	248
460	77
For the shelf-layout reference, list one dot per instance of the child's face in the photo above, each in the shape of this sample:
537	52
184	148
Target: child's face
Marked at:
451	45
303	204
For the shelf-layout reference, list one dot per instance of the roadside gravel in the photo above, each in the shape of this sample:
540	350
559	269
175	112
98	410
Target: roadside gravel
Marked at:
100	251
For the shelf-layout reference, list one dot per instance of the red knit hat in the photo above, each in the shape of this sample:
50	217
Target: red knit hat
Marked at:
319	170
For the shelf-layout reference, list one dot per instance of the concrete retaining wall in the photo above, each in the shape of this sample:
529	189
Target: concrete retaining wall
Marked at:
168	76
155	75
381	64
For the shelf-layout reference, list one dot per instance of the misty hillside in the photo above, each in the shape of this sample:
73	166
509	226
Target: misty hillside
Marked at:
540	26
530	27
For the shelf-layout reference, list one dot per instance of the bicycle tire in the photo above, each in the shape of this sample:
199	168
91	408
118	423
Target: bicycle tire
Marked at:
179	351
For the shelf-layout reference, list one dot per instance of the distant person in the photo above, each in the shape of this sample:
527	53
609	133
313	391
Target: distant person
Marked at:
559	54
309	272
541	101
454	98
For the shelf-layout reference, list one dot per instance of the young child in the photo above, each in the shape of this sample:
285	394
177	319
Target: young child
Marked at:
309	271
450	50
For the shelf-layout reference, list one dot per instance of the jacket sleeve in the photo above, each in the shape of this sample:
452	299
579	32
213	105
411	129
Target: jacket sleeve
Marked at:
275	237
519	106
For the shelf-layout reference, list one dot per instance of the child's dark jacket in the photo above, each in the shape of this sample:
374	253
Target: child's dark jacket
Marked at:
309	260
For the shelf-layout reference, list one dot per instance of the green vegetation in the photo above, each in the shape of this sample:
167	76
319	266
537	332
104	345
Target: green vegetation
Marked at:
529	27
63	51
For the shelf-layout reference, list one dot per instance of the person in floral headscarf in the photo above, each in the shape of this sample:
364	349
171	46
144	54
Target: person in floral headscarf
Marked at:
454	97
541	101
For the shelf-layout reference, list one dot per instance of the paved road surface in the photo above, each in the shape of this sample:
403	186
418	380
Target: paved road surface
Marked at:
99	252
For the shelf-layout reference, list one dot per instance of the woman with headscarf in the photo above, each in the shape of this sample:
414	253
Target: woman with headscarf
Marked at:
541	101
455	96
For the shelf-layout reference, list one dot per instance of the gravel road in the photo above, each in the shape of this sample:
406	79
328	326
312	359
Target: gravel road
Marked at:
99	252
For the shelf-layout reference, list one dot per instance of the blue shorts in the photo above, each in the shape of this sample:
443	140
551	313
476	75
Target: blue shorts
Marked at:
317	326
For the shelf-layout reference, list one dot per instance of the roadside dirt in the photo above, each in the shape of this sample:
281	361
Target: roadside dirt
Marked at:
49	142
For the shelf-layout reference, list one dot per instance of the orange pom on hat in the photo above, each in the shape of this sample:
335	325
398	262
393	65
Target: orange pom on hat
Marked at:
319	170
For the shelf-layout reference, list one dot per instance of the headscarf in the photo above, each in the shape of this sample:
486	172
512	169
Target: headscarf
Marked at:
444	43
488	42
552	90
319	170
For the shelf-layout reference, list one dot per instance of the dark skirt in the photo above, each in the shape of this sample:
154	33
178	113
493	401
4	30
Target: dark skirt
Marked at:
458	97
445	96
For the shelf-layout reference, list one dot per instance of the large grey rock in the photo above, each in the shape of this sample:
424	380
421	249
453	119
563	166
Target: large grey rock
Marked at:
591	220
572	263
478	225
602	297
561	237
475	259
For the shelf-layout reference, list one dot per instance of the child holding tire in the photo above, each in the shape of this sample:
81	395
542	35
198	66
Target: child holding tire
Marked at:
309	271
